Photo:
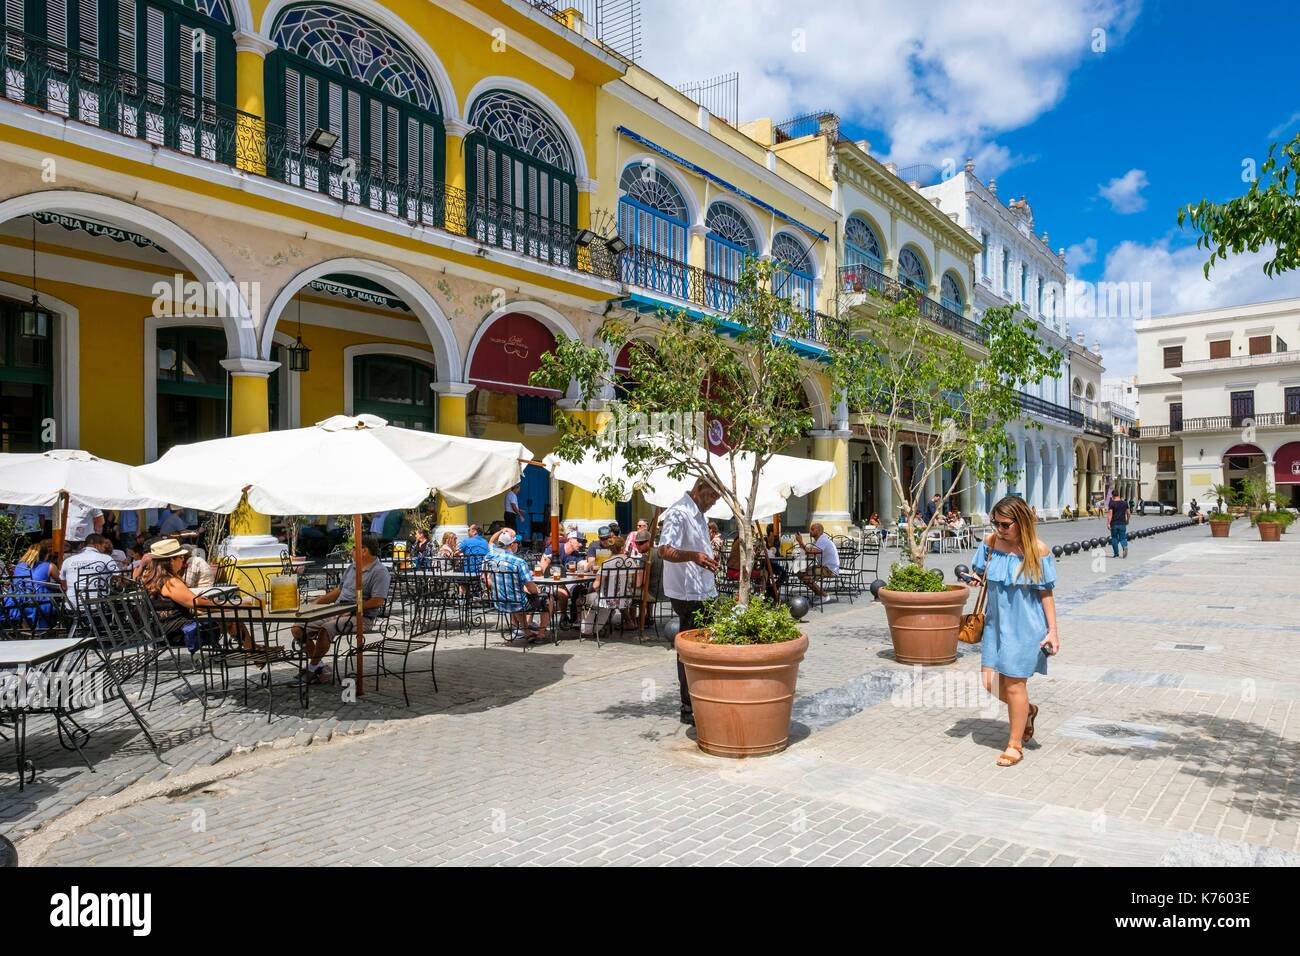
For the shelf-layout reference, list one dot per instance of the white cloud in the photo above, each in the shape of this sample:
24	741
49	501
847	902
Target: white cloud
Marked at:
1124	193
941	79
1285	126
1081	254
1177	284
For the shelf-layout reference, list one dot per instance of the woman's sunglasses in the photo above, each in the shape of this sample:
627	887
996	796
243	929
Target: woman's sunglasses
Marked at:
1003	525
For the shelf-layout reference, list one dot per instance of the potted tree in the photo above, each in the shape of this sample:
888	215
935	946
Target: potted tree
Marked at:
1221	520
743	663
741	377
906	380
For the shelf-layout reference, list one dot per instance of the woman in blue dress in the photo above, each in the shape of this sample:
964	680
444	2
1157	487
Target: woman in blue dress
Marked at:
36	574
1020	616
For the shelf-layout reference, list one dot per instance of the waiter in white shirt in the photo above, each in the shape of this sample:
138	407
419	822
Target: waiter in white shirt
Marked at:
689	566
83	521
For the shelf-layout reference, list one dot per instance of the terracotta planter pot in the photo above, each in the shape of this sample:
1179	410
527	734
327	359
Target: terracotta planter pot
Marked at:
1269	531
1219	529
924	625
742	694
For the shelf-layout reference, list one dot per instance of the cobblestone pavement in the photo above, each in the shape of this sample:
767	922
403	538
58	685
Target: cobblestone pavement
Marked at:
1166	737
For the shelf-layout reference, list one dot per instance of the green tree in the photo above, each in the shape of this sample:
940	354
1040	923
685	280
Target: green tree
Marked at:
1268	215
742	371
911	382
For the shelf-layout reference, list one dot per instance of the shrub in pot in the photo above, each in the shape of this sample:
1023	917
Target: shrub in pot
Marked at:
924	614
1220	522
742	664
1270	525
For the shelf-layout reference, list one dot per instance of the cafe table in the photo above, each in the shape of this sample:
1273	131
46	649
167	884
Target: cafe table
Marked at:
63	657
545	581
257	613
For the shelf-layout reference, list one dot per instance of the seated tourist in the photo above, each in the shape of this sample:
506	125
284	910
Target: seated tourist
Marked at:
317	638
828	561
474	548
95	558
513	591
173	601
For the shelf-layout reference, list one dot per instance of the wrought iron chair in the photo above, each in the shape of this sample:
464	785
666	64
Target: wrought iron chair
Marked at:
507	597
422	625
618	588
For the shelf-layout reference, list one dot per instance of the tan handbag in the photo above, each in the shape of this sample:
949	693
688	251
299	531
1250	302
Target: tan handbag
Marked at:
972	624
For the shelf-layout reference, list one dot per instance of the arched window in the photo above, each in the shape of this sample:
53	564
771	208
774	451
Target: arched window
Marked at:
950	293
861	245
911	270
652	221
729	242
174	67
522	187
338	73
794	280
396	389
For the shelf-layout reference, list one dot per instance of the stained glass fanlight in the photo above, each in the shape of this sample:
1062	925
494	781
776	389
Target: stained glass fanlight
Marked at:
911	270
513	121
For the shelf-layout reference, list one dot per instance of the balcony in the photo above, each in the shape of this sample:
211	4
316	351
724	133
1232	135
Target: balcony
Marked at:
1093	426
1220	423
1045	409
1239	361
864	279
101	94
688	285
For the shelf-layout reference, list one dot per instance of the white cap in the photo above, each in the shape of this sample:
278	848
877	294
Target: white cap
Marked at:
506	538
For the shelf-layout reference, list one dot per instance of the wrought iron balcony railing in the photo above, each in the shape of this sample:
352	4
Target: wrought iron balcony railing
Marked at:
861	278
99	93
1045	409
1095	426
389	188
645	269
71	84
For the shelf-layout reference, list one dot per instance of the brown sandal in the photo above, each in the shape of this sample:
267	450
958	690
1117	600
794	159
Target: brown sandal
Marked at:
1005	759
1029	723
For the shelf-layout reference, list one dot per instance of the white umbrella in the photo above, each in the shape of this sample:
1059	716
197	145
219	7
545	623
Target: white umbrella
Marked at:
782	477
343	465
50	478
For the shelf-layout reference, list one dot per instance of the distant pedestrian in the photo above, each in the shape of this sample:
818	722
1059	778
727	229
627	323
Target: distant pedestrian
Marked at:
1117	519
515	518
1020	616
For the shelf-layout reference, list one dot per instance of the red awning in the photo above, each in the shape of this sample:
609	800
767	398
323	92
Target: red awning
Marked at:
1286	464
1238	451
510	350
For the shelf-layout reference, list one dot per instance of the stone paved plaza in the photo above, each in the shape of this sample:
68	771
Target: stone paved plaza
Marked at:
1167	737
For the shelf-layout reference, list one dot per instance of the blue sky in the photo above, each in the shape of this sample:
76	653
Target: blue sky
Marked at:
1105	145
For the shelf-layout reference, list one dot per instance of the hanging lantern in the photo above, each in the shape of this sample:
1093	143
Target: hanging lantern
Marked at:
34	320
299	356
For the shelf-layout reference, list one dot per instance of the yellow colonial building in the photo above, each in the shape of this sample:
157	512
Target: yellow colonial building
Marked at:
237	215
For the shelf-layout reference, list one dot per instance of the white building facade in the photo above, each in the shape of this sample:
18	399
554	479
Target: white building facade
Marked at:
1220	394
1092	447
1016	267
